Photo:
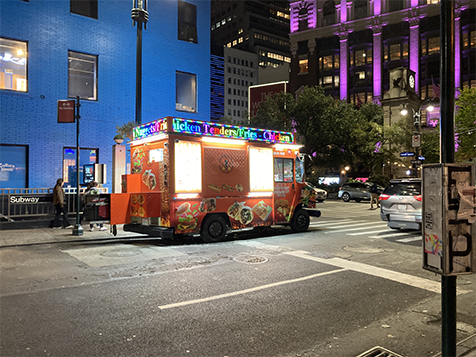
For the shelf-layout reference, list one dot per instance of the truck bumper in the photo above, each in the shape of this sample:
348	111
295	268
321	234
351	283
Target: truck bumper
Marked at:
153	231
313	212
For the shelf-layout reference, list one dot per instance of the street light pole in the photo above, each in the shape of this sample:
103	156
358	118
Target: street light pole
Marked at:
140	16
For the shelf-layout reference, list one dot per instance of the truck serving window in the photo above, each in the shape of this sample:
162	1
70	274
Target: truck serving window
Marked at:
283	170
188	167
261	169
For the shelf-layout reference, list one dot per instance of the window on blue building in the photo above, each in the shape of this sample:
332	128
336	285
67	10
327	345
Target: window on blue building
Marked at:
13	65
13	166
87	8
187	22
185	92
86	156
82	75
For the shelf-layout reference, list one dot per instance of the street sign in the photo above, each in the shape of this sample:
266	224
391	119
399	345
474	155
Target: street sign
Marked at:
65	111
421	158
416	141
407	153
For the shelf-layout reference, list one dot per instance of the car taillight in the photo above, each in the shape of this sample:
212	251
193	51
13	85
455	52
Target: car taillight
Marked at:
418	198
383	197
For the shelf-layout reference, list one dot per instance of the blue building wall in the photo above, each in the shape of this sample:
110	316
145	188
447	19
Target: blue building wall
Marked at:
51	30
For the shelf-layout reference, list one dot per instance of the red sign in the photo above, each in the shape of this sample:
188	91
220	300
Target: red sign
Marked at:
259	93
65	111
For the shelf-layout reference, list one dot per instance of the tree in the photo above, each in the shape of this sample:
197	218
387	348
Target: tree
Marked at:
332	131
465	125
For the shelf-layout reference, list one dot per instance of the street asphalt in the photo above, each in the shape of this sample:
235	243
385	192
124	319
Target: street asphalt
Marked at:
20	233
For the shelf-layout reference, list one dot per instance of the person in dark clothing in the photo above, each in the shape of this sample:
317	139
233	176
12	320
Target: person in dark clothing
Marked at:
374	196
59	203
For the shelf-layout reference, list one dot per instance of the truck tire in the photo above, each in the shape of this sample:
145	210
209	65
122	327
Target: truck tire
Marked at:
300	221
213	229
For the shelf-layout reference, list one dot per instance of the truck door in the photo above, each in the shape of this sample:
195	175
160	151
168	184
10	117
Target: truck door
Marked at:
284	189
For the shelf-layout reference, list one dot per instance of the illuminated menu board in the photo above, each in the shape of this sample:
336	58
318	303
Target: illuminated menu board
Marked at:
261	169
188	167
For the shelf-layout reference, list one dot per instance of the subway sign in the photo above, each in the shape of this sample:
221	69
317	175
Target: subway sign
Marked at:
196	127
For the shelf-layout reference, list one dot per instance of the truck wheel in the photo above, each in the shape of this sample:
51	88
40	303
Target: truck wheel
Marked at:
213	229
300	221
346	197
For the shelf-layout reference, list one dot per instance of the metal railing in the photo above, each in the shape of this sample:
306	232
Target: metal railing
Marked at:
34	202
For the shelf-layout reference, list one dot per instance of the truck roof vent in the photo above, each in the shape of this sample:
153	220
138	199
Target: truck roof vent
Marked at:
378	351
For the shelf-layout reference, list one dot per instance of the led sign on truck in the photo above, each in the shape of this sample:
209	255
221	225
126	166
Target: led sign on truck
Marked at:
186	126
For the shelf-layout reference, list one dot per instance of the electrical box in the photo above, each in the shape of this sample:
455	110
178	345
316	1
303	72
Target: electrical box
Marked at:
449	218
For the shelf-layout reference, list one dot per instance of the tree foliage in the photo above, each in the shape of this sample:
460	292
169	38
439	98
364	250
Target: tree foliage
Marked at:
334	132
465	125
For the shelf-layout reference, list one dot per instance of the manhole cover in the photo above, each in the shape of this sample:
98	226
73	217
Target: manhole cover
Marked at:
251	259
363	250
378	351
120	253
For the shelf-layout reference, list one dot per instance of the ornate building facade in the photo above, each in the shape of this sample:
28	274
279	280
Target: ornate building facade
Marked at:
350	46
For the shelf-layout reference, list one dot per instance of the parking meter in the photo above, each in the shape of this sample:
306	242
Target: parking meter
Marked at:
449	218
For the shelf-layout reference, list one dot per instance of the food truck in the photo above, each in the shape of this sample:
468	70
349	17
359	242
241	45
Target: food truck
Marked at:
192	177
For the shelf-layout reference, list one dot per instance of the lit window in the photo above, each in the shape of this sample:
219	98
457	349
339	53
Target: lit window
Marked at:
82	75
360	75
240	31
188	167
303	66
185	92
240	40
433	45
234	42
13	60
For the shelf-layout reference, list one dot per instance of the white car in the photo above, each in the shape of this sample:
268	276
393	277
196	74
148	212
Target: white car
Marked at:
321	194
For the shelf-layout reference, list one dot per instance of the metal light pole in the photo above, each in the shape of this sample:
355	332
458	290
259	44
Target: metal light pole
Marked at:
140	16
77	230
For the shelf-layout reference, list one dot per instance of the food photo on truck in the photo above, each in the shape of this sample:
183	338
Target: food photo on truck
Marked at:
192	177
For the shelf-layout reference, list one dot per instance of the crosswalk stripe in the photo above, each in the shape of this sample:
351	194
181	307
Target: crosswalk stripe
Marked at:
332	223
357	229
409	239
391	233
368	232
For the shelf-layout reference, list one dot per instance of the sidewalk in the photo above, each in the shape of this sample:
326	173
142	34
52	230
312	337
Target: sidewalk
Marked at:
36	232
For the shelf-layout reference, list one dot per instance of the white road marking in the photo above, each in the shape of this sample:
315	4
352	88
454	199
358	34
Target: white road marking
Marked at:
409	239
368	232
331	223
367	226
246	291
390	233
402	278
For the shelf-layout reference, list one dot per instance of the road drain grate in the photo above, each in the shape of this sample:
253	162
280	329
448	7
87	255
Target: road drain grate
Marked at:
378	351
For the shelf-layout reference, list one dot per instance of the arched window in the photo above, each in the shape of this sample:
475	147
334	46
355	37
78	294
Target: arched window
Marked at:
329	13
360	9
303	24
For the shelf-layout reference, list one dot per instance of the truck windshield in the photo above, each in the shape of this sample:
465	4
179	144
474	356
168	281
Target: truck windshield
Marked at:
299	170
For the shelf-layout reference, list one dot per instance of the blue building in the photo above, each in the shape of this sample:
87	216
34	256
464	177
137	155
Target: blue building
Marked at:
56	50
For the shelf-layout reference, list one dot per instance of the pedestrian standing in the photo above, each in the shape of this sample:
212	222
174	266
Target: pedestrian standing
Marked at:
59	203
374	196
94	190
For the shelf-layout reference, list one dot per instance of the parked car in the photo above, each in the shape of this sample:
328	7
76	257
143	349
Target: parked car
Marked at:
321	194
400	204
357	191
